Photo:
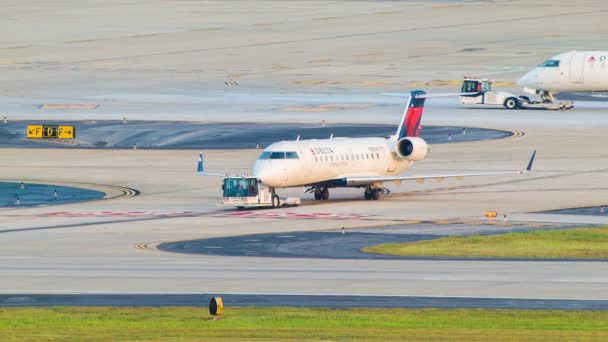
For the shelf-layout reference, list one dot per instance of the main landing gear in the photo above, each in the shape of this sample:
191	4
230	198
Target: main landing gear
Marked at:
321	194
374	193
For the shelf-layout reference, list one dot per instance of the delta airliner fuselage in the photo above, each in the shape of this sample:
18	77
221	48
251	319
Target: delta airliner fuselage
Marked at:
306	162
574	71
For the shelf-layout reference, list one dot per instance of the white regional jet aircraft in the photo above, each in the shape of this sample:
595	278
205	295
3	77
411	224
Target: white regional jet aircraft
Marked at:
580	71
351	162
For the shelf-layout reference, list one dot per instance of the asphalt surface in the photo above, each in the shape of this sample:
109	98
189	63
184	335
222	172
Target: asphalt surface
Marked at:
13	195
590	211
345	245
588	96
196	135
314	301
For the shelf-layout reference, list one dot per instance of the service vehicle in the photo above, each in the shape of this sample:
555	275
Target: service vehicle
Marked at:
249	192
478	91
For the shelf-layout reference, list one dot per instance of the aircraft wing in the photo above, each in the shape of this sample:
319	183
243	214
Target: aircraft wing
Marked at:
363	180
428	96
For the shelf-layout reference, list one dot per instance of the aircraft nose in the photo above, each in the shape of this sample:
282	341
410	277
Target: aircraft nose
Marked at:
259	170
528	80
271	176
263	172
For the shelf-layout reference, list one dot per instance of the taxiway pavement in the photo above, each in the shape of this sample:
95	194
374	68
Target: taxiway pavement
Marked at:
335	65
205	136
317	301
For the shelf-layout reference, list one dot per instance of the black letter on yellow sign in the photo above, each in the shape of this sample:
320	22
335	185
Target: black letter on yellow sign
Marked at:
50	132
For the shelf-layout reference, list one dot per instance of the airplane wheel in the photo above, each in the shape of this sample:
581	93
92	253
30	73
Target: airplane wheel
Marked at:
367	194
317	194
510	103
276	201
325	194
376	194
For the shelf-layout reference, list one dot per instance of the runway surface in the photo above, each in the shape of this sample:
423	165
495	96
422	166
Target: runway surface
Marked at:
317	301
30	195
246	63
196	135
338	244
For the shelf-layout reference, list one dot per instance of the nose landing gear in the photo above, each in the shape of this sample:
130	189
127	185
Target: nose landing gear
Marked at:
546	97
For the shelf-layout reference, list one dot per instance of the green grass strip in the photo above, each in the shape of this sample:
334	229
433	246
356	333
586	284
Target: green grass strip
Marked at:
246	324
578	243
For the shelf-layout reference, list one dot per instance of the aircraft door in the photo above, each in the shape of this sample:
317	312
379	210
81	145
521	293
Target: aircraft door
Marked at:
577	68
304	166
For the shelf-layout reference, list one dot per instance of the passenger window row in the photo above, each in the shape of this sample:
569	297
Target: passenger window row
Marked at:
347	156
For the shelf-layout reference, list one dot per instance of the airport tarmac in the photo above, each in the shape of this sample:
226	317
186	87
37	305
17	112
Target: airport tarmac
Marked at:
201	135
600	210
339	65
30	195
338	244
100	247
317	301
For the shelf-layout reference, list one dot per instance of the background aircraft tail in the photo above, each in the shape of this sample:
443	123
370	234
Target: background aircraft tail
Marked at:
410	122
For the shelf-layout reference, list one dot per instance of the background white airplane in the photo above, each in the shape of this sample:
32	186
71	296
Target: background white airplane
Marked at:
574	71
351	162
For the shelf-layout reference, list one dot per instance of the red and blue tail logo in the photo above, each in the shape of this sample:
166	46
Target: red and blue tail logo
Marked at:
410	124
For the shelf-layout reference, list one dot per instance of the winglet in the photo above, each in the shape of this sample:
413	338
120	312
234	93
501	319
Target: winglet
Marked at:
199	168
529	168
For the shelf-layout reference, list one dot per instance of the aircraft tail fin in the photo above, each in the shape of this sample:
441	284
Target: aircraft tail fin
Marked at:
410	122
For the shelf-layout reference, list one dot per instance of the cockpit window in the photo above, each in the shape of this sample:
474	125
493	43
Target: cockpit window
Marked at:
551	63
264	155
277	155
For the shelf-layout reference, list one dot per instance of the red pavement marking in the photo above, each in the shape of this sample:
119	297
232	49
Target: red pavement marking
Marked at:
116	213
275	214
251	214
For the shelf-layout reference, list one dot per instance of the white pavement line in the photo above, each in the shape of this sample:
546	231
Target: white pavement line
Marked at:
17	257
